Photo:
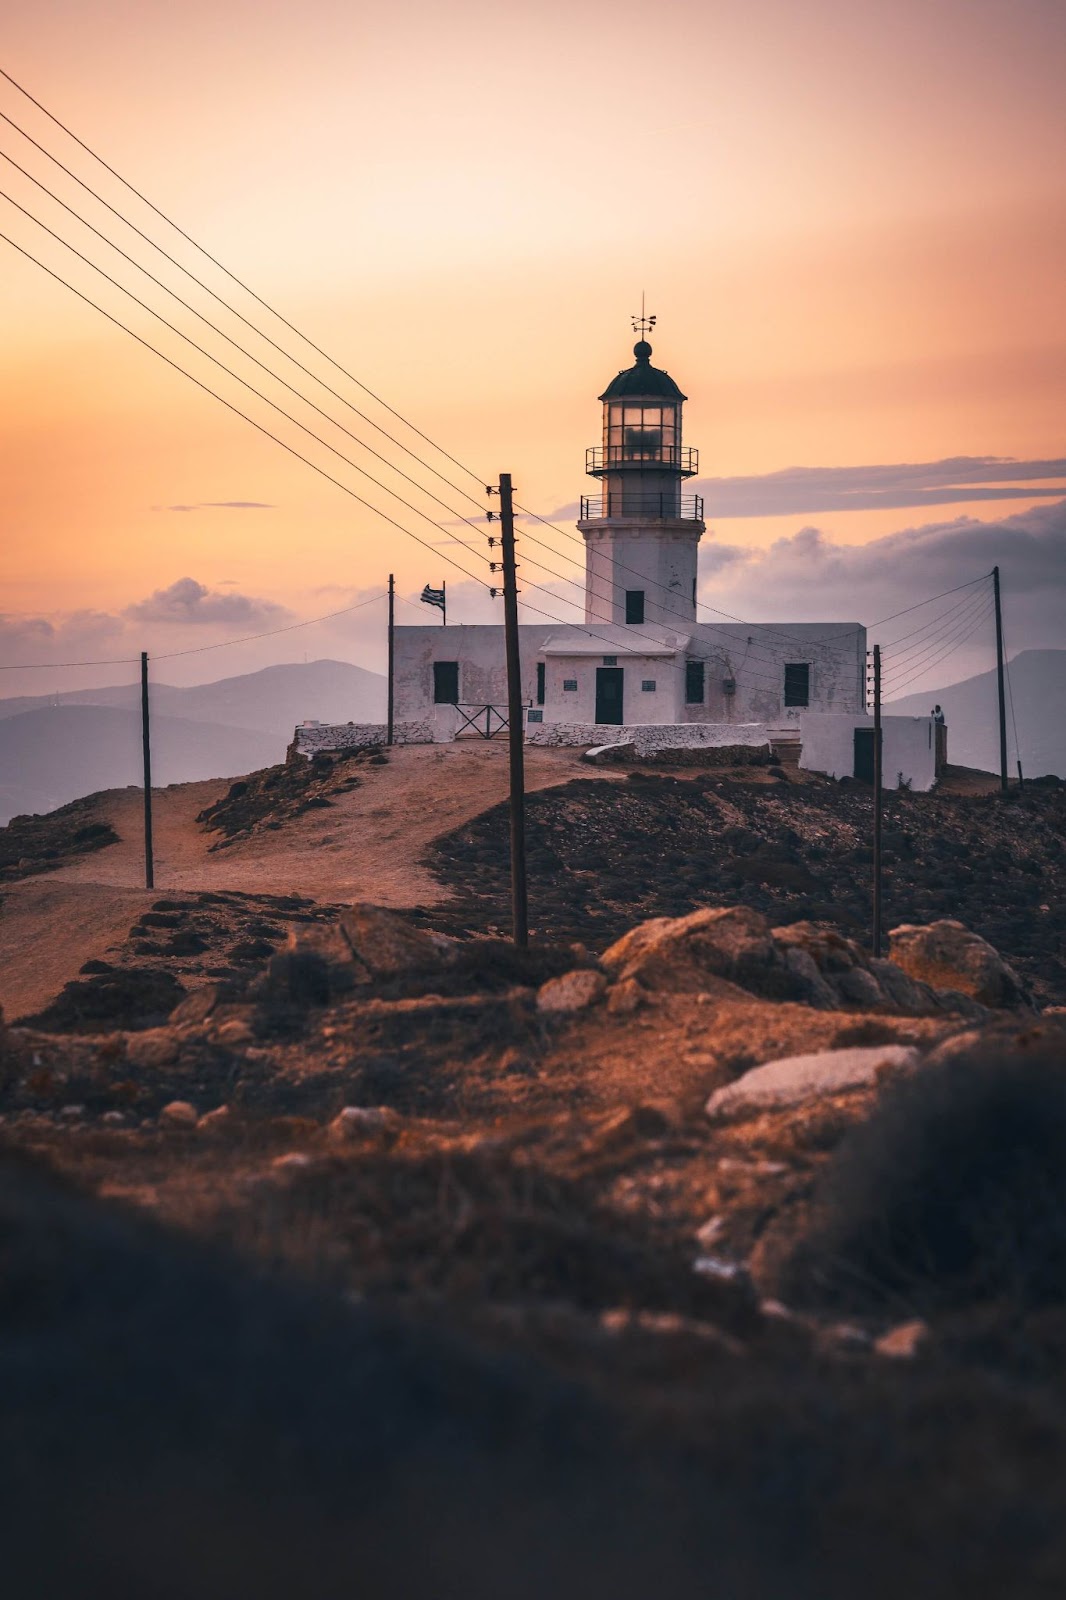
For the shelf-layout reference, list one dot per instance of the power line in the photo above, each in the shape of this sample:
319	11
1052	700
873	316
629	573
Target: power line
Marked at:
231	275
236	409
271	633
288	356
929	647
929	665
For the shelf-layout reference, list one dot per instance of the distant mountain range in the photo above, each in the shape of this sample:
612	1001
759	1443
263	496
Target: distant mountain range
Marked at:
91	739
1038	686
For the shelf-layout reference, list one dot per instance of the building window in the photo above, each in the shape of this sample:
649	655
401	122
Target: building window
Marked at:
446	683
570	684
797	683
694	683
610	661
634	605
540	683
648	685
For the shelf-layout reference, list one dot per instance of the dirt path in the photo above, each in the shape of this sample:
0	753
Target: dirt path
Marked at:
367	846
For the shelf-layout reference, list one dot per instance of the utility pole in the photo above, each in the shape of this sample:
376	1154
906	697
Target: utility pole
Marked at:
146	744
444	602
515	729
999	676
877	799
392	651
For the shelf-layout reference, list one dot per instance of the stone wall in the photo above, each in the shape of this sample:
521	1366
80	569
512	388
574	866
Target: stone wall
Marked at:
309	739
647	738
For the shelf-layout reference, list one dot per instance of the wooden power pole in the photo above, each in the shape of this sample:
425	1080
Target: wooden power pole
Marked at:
999	676
146	746
515	728
877	799
392	652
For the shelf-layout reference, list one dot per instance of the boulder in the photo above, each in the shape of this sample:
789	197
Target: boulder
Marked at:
386	946
179	1114
196	1007
796	1079
359	1122
947	955
155	1047
572	991
681	953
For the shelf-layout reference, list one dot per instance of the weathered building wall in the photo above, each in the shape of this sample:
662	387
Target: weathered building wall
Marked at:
482	664
652	687
909	748
751	657
661	562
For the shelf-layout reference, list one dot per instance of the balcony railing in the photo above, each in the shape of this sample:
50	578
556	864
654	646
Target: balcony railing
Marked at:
687	507
682	459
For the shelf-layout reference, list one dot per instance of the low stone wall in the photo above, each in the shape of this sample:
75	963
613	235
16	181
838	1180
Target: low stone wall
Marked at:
647	739
356	736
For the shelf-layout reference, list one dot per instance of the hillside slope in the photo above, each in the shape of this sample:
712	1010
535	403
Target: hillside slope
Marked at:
1038	685
273	700
53	755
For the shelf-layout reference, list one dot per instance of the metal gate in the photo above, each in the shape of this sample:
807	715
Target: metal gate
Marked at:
480	722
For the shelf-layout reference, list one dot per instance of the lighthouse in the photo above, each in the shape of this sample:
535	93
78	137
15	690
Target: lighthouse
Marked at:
641	531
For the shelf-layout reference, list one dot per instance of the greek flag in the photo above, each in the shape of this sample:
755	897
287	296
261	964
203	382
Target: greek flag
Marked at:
433	597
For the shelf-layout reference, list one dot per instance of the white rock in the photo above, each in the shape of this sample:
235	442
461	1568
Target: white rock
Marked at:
571	991
354	1121
795	1079
717	1267
294	1161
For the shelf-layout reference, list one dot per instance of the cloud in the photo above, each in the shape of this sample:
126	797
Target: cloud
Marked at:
808	577
188	601
805	491
221	505
24	639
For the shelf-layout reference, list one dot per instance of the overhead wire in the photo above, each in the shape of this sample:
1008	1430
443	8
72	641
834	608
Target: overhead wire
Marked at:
928	647
288	355
530	560
927	666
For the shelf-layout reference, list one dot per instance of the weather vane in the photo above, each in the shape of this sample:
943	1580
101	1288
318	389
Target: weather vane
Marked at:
642	324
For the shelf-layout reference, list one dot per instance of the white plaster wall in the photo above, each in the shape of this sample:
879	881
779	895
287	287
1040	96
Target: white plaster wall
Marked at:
660	560
479	651
639	705
908	748
754	656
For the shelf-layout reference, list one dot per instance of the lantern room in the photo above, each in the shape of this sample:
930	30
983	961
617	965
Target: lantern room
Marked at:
641	532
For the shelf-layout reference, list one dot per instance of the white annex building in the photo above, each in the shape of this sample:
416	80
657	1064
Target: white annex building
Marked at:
643	667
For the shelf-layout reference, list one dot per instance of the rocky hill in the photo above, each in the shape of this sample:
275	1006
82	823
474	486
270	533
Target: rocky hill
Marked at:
721	1255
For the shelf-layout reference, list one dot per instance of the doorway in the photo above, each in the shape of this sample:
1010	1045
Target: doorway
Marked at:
609	694
864	755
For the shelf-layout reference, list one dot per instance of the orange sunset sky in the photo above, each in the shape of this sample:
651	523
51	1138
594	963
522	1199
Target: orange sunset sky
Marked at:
850	220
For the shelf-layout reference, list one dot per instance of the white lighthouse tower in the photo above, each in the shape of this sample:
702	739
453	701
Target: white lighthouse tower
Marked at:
641	533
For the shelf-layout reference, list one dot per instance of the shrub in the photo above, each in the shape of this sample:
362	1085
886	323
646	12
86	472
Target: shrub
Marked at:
951	1194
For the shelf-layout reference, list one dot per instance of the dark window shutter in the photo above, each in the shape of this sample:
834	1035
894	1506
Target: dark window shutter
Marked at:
446	683
797	683
694	683
635	605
